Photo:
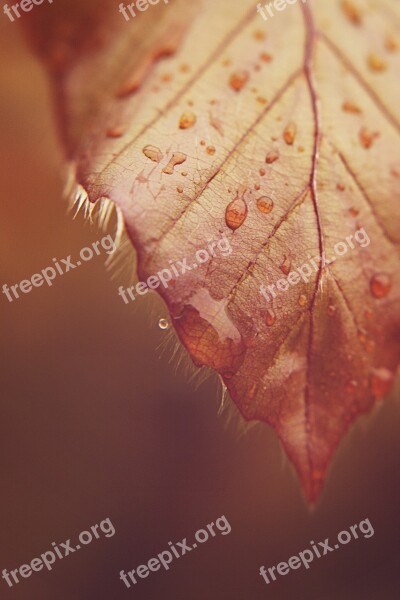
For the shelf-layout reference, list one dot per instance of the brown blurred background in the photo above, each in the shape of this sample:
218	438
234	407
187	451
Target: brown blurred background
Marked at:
97	421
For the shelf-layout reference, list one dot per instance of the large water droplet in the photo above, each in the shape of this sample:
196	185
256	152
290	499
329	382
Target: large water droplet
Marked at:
236	213
153	153
176	159
380	285
265	204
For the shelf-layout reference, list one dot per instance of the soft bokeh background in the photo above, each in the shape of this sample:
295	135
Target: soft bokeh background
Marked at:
97	422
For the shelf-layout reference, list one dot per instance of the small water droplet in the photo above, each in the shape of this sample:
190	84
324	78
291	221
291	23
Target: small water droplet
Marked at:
176	159
331	310
351	107
381	382
352	12
187	120
286	265
289	135
163	324
391	43
236	213
341	187
115	132
272	157
202	142
265	57
376	63
302	300
259	35
210	150
270	317
380	285
262	172
367	137
354	212
238	80
265	204
153	153
179	190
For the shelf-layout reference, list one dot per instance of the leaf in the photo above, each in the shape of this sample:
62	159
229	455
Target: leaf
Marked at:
201	119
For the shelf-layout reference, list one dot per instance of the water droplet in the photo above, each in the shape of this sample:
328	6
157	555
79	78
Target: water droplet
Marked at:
302	300
354	212
380	285
187	120
179	190
262	172
176	159
286	265
391	43
381	382
238	80
351	107
376	63
210	150
289	135
202	142
257	187
352	12
259	35
265	57
163	324
270	317
367	137
331	310
272	156
236	213
184	68
153	153
115	132
265	204
261	100
341	187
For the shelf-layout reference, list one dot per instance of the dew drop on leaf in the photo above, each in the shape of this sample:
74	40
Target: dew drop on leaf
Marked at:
236	213
187	120
265	204
153	153
272	156
289	135
380	285
238	80
270	318
302	300
176	159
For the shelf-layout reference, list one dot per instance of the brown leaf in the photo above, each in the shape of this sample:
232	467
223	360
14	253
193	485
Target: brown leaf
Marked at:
180	120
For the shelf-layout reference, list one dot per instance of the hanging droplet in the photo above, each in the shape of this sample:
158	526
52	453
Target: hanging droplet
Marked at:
238	80
163	324
270	317
153	153
187	120
289	135
236	213
380	285
176	159
265	204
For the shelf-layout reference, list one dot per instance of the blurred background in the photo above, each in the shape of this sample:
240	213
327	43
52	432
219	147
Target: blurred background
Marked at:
97	421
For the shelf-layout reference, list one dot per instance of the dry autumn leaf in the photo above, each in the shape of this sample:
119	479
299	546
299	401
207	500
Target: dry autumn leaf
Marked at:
203	119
